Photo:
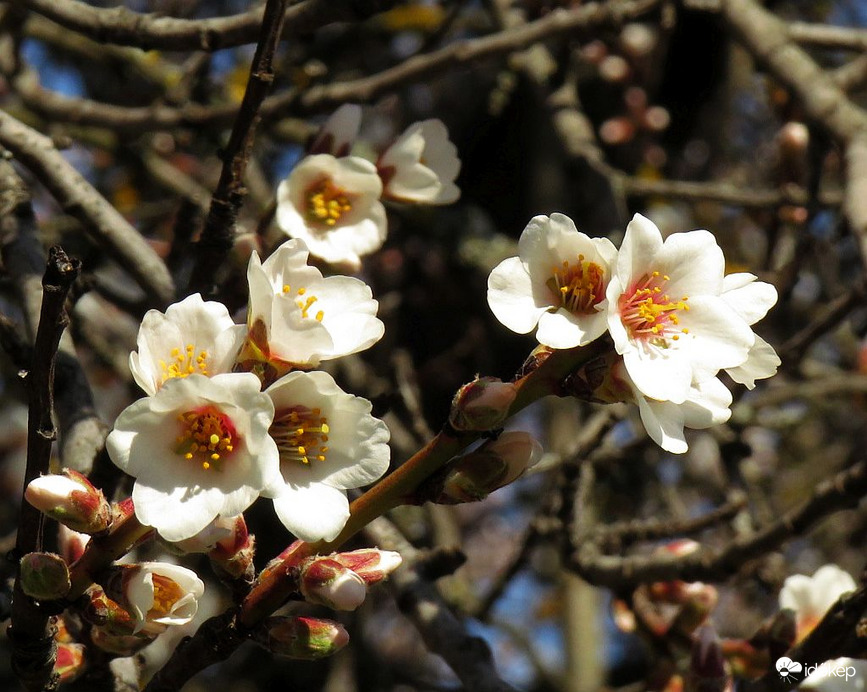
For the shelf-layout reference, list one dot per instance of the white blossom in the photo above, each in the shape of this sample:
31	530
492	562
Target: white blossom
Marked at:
199	448
192	336
333	205
812	597
421	165
328	443
161	594
666	313
305	317
557	283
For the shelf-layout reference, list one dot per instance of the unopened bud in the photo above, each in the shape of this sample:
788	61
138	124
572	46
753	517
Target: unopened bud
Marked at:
44	576
371	564
482	404
69	662
101	611
70	499
71	543
707	670
302	637
155	592
327	582
495	464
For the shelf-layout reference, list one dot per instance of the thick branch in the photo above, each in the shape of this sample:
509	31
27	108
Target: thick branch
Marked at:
767	38
219	231
32	644
77	197
150	31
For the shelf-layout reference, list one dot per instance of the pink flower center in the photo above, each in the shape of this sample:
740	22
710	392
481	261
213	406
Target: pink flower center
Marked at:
300	434
649	313
206	435
326	203
579	287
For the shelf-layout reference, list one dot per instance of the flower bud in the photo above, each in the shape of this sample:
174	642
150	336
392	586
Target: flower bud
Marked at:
71	543
325	581
70	499
101	611
301	637
155	592
69	662
483	404
496	463
44	576
371	564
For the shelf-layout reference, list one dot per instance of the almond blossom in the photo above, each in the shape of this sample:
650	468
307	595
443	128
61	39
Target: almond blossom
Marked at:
156	594
199	448
333	205
666	314
557	283
812	597
421	165
192	336
328	443
707	404
296	316
751	300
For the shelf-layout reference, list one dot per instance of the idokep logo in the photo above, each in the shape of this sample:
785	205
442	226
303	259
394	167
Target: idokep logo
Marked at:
792	670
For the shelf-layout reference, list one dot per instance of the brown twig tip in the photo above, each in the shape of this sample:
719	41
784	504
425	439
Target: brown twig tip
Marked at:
61	270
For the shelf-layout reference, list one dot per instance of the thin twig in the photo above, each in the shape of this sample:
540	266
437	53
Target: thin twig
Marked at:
219	230
835	494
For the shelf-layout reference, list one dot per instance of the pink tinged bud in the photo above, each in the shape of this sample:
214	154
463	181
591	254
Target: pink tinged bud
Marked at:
69	663
70	499
71	543
44	576
326	582
496	463
371	564
302	637
482	404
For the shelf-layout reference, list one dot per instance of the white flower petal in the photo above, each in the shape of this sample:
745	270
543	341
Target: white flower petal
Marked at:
314	512
752	300
510	296
664	423
762	362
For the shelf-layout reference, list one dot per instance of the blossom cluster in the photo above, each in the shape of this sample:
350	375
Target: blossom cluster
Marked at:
675	319
235	412
333	199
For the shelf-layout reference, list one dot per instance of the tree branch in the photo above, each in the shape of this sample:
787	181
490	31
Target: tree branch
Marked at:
78	197
32	644
153	32
219	231
840	492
